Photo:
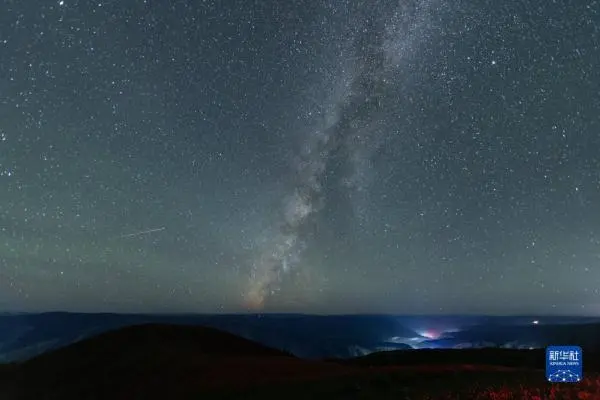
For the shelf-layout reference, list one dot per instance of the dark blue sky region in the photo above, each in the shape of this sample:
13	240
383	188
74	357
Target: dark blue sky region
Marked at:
319	157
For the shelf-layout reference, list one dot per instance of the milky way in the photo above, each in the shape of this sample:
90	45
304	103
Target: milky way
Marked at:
392	156
350	129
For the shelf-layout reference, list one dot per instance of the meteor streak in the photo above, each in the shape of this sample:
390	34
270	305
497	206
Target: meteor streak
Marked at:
130	235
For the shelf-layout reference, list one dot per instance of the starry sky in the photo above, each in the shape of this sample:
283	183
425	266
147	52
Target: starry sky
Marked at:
300	156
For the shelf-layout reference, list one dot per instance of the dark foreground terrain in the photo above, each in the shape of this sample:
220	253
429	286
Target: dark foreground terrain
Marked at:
177	362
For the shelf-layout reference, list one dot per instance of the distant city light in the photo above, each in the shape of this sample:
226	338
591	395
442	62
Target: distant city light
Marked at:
535	322
430	334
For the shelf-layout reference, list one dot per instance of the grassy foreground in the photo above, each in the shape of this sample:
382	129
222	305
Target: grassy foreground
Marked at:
420	384
177	362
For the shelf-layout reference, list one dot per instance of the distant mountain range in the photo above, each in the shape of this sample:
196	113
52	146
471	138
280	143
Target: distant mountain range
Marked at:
23	336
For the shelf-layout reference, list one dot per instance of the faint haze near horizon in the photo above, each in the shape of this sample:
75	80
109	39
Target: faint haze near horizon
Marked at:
397	157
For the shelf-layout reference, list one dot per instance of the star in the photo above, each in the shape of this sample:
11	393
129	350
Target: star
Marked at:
389	157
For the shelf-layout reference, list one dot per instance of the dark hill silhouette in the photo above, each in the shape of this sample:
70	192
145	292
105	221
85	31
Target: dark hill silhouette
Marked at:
190	362
160	339
306	336
157	361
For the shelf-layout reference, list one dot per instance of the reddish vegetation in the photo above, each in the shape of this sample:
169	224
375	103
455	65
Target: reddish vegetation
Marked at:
589	389
173	362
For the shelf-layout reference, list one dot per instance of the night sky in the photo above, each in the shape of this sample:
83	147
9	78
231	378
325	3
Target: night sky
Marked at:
300	156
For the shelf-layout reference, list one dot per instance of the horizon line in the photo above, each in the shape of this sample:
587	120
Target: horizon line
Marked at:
274	313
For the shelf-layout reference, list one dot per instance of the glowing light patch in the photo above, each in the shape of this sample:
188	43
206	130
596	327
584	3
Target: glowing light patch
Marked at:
430	334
